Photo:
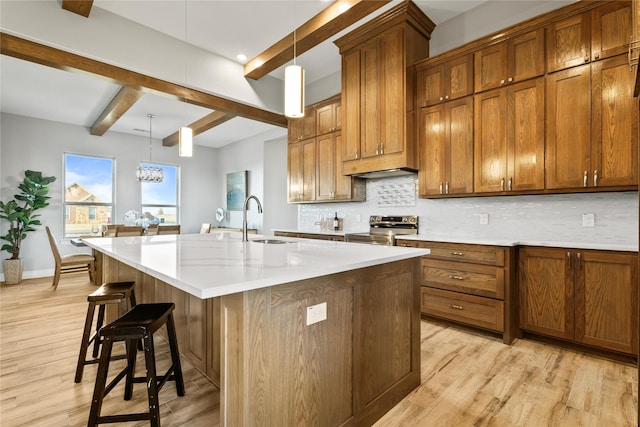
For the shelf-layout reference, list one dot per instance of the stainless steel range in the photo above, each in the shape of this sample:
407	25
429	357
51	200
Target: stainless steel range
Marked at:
383	229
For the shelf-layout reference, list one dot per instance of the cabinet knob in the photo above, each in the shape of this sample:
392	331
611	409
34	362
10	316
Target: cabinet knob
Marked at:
440	187
446	97
456	277
502	184
595	178
510	79
446	187
584	178
509	183
586	59
597	55
502	81
455	306
456	253
442	98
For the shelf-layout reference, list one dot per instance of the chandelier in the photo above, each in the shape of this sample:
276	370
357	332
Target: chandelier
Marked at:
149	173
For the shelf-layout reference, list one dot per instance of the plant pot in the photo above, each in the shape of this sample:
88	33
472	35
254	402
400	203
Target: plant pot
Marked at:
12	271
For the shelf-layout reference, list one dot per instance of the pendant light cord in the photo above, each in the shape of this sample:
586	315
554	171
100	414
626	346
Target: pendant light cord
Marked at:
150	135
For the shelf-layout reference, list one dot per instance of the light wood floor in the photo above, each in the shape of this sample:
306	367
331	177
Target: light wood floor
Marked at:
467	379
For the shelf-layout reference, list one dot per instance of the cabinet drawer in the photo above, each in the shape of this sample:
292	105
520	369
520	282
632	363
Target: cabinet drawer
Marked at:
477	254
469	309
481	280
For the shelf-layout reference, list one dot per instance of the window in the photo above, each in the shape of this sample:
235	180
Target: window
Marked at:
88	195
160	199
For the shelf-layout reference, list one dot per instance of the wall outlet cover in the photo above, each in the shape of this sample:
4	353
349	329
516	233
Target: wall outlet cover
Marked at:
484	218
588	220
316	313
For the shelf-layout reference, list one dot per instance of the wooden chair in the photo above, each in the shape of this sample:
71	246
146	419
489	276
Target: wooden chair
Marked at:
168	229
205	228
128	230
72	263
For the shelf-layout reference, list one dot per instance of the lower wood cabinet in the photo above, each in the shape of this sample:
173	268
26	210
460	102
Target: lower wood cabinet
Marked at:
469	284
585	296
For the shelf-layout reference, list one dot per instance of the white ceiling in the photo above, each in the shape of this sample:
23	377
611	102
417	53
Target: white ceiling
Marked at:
222	27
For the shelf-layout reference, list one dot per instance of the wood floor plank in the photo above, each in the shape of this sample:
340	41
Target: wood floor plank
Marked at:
468	379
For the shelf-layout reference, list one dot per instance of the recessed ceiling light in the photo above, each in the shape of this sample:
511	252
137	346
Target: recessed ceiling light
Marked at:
241	57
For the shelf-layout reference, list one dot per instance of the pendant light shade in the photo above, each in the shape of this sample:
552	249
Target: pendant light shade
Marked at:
294	91
185	142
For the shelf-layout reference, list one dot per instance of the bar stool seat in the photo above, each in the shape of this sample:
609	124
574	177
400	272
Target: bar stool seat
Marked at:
138	324
121	293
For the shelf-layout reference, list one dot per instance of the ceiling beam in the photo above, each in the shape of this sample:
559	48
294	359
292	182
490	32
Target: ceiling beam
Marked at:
35	52
335	18
120	104
81	7
200	126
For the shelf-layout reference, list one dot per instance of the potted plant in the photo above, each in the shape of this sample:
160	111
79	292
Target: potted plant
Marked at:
21	214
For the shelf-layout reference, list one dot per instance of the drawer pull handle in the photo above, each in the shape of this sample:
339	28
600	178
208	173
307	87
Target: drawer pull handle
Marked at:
456	253
457	307
456	277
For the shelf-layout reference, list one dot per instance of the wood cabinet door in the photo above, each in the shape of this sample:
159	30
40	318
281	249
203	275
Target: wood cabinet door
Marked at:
490	67
296	130
614	124
370	117
294	172
431	149
458	77
351	102
546	291
326	166
342	185
326	118
308	169
525	56
611	29
568	109
430	85
459	146
490	142
569	42
392	94
308	124
525	135
607	300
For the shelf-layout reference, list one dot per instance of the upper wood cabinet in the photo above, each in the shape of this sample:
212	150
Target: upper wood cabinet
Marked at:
304	127
590	36
301	162
516	59
509	138
446	151
592	136
580	295
332	185
328	118
445	81
378	89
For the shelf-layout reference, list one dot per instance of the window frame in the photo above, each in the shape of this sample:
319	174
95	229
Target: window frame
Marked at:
66	206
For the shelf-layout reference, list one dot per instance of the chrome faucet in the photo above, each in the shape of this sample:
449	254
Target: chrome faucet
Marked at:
244	215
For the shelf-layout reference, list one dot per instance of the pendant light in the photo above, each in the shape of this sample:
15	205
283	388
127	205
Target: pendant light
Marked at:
185	134
149	173
294	87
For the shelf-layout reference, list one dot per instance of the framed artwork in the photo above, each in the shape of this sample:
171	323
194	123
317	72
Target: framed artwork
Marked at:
236	190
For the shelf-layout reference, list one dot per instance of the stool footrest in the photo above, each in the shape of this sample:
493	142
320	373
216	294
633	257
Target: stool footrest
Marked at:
106	419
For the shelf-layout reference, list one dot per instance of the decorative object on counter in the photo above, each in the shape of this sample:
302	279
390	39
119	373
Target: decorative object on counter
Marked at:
219	215
132	218
147	173
336	222
236	190
20	212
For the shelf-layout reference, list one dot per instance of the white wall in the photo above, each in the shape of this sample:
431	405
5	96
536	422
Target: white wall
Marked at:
35	144
277	212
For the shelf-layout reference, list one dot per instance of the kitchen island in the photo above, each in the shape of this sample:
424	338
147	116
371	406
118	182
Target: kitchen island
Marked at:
294	331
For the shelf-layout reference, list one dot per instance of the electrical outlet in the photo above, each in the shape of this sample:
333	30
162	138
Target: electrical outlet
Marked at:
484	218
588	220
358	218
316	313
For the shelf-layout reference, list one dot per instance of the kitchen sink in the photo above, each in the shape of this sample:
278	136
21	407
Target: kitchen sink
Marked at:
270	241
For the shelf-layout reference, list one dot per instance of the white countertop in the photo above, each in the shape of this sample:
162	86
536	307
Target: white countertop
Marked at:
219	263
446	238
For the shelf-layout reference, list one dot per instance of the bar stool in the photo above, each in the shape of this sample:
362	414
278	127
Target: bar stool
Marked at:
139	324
121	293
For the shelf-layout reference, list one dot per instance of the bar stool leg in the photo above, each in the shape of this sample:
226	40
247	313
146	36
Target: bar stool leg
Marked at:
152	381
99	323
175	355
132	346
84	346
101	381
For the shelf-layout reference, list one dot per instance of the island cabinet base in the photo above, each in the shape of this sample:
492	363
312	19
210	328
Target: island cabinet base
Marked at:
347	370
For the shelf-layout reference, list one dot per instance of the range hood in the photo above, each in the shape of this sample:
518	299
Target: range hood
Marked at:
386	173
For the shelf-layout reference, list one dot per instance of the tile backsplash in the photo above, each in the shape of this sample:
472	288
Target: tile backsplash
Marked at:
554	217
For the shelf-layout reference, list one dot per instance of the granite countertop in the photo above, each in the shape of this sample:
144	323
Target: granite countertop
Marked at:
445	238
220	263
